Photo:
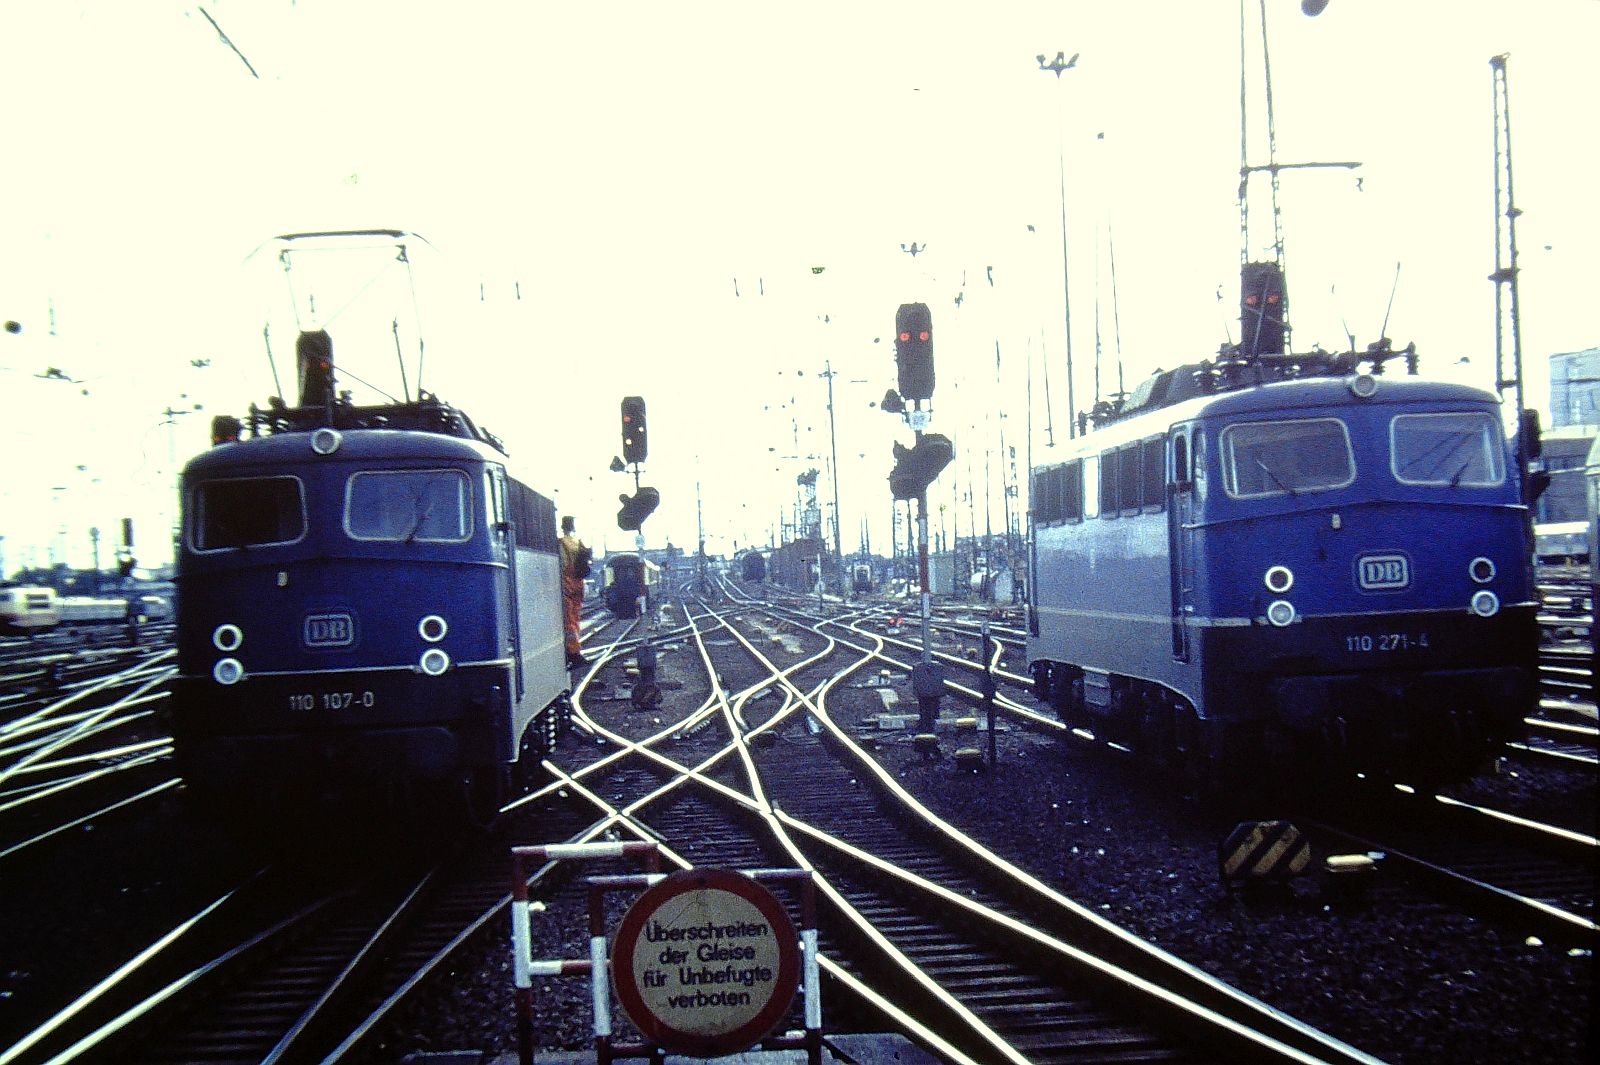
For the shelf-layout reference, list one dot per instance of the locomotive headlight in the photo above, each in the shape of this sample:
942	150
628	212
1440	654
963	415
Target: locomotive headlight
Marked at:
326	441
1363	386
228	671
1279	579
227	638
432	628
1485	603
1481	569
434	662
1280	612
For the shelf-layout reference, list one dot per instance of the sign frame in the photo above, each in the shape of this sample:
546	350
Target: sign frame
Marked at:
637	920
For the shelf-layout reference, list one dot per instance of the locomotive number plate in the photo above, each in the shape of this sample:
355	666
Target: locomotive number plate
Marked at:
1380	642
331	700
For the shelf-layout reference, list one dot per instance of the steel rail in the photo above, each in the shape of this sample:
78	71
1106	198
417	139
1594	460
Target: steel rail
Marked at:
16	1051
86	818
49	788
1287	1038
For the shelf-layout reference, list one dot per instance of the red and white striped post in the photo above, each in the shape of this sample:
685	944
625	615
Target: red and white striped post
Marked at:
525	967
810	972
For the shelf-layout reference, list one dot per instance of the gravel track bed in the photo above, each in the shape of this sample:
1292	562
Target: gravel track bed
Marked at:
1396	974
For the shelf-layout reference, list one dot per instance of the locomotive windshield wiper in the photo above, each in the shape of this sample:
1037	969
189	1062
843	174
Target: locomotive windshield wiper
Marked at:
416	523
1456	478
1452	445
1275	478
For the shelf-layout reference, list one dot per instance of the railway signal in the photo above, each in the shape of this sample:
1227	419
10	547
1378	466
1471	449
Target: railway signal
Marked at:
916	467
1261	309
636	508
913	350
635	445
314	353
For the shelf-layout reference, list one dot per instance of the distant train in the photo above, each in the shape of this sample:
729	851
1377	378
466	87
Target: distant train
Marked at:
39	609
1307	570
629	581
753	566
861	578
92	610
28	609
369	604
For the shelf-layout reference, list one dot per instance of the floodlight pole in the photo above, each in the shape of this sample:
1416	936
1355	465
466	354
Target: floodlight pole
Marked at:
1058	66
833	443
1507	309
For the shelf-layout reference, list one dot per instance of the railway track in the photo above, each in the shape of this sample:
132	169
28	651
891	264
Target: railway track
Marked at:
83	750
722	757
307	960
754	772
1538	877
1533	876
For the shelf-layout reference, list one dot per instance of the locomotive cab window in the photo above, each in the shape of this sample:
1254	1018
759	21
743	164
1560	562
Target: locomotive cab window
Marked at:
1261	459
409	506
1450	449
246	512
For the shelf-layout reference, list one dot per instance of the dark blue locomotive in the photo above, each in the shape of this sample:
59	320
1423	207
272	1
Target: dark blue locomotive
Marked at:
369	604
1267	566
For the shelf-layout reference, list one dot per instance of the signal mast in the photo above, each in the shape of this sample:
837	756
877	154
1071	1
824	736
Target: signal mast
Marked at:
916	468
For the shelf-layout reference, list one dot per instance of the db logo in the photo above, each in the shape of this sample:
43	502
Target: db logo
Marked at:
1383	573
329	630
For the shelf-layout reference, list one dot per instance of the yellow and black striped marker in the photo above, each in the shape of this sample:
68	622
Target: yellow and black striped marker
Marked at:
1263	850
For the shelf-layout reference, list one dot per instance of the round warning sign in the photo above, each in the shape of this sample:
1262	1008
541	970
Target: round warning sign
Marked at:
706	962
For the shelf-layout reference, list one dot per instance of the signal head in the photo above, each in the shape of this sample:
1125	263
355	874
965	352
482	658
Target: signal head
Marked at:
635	442
913	350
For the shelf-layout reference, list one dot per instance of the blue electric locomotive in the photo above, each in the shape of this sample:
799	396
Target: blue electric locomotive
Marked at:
365	606
1250	578
369	605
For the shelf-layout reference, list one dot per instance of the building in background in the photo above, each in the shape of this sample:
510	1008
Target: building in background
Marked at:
1574	423
1575	388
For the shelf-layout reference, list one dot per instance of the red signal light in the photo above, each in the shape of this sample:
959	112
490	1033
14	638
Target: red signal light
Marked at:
924	335
1251	301
905	336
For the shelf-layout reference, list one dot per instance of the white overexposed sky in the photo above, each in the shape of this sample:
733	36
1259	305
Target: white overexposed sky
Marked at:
609	176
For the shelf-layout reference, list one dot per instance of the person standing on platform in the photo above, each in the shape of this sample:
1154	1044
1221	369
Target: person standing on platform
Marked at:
575	558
